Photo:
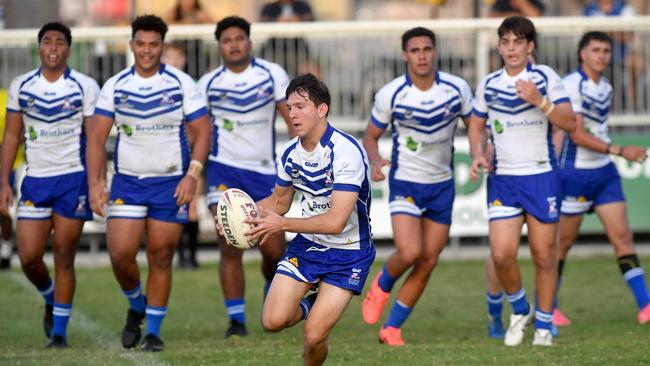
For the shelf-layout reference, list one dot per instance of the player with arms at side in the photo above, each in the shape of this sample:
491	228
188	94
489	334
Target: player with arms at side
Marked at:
333	248
590	181
243	96
52	105
155	107
522	102
422	107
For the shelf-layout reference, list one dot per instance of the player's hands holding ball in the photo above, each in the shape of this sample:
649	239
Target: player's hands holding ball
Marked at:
264	225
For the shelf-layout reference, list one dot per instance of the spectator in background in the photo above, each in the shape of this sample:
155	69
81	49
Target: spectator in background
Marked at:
608	8
527	8
188	12
287	11
292	53
175	55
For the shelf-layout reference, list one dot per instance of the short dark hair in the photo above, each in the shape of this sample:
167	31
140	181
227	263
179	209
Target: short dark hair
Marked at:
232	21
55	26
417	32
520	26
314	89
149	23
592	36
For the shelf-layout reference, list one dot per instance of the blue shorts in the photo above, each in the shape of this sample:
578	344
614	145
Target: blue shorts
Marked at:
65	195
583	189
512	195
433	201
135	198
222	177
306	261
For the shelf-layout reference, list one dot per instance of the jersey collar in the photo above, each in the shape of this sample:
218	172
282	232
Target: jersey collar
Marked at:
325	139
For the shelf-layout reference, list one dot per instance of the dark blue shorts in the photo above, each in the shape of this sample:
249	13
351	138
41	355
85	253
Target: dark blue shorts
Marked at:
512	195
306	261
222	177
584	189
65	195
434	201
135	198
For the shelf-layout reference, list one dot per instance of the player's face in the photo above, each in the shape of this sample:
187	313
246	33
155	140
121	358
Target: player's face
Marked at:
147	48
54	50
234	46
303	113
515	50
596	55
419	56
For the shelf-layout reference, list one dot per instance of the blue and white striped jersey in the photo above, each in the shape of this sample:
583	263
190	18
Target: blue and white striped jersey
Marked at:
53	116
521	133
592	101
423	125
338	163
150	114
242	108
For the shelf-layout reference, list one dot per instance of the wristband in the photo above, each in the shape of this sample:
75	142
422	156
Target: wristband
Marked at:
549	110
609	146
543	104
195	169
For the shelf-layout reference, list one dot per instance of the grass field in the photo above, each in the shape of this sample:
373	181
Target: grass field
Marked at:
447	327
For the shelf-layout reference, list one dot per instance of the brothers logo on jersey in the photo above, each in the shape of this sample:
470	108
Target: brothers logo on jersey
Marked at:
33	135
228	125
411	144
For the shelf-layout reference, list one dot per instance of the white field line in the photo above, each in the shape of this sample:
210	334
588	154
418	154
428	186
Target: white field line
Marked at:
101	336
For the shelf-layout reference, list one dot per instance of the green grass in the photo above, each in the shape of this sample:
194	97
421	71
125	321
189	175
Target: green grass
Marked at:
446	327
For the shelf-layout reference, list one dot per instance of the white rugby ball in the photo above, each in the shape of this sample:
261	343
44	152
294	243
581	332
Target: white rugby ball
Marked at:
233	208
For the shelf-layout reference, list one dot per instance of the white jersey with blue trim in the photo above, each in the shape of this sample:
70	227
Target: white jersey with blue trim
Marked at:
53	115
521	133
150	114
592	100
337	163
243	108
423	125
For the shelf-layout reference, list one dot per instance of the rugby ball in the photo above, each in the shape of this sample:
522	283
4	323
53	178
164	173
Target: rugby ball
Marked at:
233	208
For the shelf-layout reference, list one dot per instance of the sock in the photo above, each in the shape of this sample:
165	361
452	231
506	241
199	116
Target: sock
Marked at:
635	278
398	315
155	316
6	248
543	320
236	308
306	303
48	292
386	281
136	299
518	302
61	315
267	286
560	269
494	304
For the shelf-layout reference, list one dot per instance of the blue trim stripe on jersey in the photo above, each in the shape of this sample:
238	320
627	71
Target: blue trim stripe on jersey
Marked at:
478	113
407	82
235	91
346	187
267	101
105	113
53	120
215	140
36	97
52	110
378	123
147	96
203	111
135	105
150	115
35	74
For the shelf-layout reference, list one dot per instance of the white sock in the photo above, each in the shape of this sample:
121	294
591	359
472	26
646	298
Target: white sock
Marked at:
6	248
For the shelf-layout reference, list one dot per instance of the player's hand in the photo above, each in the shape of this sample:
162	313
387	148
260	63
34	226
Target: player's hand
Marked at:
185	190
527	90
219	228
634	153
6	199
98	199
377	175
478	166
267	223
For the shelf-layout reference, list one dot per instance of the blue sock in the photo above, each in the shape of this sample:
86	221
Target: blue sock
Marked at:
48	292
495	304
61	315
267	286
398	315
136	299
306	304
519	303
635	278
236	309
155	316
543	320
386	281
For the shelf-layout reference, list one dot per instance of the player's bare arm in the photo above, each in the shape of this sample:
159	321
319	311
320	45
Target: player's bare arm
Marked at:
96	163
10	142
583	138
370	139
201	129
476	136
561	115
